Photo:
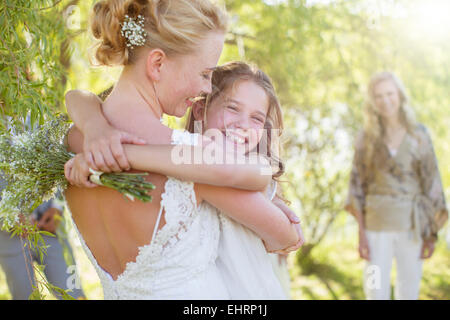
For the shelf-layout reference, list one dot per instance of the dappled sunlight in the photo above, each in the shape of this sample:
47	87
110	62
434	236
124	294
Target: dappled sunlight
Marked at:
337	273
320	55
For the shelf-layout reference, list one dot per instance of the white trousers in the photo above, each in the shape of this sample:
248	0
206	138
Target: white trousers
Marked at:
383	247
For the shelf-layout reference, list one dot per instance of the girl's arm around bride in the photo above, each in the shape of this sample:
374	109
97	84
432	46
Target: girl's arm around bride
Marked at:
250	208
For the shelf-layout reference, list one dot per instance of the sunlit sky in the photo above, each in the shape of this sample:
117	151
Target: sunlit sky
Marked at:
425	17
432	17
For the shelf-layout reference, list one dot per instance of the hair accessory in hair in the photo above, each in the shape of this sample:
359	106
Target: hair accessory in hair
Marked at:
133	31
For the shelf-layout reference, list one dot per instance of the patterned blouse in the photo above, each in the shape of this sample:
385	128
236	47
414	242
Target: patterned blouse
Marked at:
404	191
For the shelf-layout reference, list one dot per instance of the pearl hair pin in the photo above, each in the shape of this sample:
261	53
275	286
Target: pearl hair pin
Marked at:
133	31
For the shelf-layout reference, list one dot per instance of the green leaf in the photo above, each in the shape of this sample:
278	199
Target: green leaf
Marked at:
36	295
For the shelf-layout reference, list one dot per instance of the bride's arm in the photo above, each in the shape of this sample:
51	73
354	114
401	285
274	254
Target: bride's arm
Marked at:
85	110
256	212
102	144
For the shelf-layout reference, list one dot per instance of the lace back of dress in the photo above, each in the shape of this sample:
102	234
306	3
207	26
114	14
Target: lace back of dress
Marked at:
178	202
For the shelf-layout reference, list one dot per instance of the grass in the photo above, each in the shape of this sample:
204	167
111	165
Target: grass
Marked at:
336	273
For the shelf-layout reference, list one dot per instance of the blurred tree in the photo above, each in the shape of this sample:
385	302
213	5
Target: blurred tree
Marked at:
32	58
317	153
320	55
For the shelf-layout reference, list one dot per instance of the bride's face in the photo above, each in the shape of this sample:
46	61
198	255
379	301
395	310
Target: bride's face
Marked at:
187	76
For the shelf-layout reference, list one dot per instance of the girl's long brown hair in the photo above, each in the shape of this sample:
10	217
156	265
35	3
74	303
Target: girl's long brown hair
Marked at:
226	77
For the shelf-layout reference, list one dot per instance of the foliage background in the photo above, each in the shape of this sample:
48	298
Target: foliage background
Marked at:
320	55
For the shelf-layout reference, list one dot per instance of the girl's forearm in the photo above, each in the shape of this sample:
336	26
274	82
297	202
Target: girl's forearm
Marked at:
250	208
275	244
267	221
165	159
84	108
256	212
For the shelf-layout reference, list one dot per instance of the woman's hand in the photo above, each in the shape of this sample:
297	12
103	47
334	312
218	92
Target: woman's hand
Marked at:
77	172
427	249
364	251
103	150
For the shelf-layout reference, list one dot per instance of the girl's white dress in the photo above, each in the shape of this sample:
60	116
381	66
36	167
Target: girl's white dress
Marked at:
245	264
180	261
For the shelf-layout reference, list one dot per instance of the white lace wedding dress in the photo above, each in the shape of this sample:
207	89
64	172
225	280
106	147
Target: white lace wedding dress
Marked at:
180	261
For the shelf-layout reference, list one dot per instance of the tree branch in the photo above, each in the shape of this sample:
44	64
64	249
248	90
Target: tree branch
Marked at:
52	6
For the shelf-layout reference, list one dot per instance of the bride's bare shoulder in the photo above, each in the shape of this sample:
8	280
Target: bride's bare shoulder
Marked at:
137	120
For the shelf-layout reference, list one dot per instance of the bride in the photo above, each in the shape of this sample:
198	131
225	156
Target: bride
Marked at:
166	249
243	102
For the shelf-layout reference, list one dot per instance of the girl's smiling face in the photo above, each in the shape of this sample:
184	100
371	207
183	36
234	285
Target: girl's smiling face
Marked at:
240	114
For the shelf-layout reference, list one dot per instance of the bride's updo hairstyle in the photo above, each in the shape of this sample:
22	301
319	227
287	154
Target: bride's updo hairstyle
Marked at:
174	26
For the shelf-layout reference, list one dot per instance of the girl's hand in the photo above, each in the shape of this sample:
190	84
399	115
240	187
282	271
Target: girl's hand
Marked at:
427	249
103	150
295	247
364	251
77	172
295	221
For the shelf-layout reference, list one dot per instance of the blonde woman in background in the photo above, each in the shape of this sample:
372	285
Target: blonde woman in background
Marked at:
395	191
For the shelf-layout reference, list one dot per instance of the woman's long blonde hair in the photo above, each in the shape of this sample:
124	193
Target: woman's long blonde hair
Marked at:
374	129
175	26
